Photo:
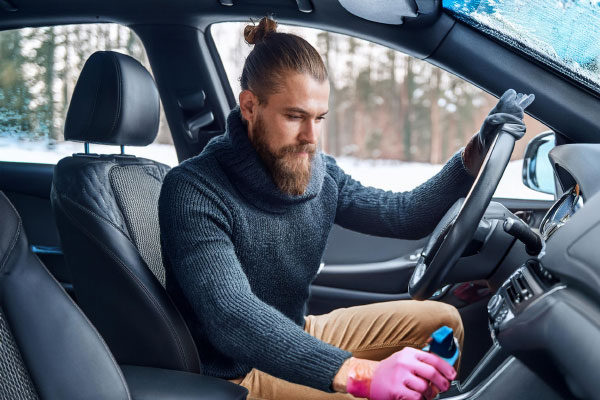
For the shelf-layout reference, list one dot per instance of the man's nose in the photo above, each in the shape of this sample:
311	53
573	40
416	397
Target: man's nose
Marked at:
310	133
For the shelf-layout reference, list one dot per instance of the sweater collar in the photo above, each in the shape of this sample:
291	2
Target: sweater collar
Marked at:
250	175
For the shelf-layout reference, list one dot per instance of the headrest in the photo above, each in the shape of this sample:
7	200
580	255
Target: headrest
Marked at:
115	101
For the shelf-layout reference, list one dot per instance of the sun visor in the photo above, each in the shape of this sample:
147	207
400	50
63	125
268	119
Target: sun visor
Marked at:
390	12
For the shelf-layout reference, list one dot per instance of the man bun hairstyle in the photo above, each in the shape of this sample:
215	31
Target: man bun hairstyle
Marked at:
274	55
257	33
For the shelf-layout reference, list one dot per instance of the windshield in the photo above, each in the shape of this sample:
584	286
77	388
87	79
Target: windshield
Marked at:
564	34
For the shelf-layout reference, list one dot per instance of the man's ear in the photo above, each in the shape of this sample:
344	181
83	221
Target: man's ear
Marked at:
248	107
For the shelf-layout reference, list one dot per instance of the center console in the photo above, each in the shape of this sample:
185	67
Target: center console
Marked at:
497	374
527	284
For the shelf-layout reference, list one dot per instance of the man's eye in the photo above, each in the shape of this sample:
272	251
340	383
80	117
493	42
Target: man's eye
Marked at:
321	118
294	116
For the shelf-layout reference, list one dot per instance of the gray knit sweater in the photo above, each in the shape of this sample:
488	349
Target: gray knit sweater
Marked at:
240	254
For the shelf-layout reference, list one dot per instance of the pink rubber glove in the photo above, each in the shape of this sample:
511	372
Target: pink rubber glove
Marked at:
410	374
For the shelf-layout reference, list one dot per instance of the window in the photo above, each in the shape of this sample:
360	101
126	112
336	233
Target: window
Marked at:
394	120
38	71
560	33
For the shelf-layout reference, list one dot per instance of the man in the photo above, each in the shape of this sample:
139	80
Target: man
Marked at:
244	226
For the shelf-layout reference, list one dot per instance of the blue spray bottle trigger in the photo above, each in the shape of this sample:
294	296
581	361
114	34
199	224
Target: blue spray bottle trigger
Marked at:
444	345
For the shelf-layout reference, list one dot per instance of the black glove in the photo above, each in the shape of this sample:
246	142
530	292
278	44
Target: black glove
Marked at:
508	112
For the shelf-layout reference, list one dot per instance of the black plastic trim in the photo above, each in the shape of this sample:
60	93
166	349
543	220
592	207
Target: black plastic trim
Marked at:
26	178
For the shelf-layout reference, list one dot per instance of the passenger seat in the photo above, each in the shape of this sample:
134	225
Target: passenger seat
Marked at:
49	350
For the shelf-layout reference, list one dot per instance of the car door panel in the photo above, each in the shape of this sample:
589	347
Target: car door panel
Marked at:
379	277
324	299
346	247
356	270
27	186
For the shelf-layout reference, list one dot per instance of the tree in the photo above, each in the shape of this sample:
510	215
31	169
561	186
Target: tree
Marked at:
328	49
393	143
436	152
407	99
44	58
14	93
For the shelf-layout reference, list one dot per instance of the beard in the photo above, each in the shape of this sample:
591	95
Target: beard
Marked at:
290	172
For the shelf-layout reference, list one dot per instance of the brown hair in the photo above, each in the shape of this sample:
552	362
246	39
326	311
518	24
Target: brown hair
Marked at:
275	54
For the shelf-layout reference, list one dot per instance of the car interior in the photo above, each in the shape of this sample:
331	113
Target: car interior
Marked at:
83	308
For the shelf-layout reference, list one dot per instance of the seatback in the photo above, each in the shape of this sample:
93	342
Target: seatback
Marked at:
106	211
48	348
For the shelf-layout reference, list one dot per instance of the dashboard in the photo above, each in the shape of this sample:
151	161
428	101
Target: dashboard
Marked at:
547	312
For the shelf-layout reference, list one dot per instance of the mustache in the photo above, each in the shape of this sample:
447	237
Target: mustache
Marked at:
300	148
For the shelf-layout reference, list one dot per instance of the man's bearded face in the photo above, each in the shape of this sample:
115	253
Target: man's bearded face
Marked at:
290	165
285	128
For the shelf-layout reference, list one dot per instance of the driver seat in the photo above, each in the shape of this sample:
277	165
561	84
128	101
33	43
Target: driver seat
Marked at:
106	211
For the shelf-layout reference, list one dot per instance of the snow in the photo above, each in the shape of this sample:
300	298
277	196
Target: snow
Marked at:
12	149
385	174
401	176
560	33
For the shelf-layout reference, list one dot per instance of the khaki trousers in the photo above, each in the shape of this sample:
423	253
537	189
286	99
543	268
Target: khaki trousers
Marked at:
373	331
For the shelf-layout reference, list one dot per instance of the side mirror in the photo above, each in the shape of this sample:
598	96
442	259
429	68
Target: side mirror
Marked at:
537	170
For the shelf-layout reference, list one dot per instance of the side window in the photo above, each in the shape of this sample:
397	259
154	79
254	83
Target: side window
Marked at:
393	120
38	71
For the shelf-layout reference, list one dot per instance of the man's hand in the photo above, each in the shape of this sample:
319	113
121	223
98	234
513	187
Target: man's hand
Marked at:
509	110
354	377
406	374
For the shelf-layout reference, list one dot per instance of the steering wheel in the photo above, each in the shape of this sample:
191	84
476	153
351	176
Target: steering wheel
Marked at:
456	228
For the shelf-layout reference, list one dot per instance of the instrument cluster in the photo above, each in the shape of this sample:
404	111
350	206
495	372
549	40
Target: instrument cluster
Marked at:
560	213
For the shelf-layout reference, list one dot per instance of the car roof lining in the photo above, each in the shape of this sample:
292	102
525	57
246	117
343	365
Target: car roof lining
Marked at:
417	36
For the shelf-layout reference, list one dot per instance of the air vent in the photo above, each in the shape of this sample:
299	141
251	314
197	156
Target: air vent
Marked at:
519	291
514	297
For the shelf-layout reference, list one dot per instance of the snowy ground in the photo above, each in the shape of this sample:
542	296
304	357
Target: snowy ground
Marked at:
401	176
38	152
384	174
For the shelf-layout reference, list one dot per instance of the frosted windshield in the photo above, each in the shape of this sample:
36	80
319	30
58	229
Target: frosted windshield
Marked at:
564	34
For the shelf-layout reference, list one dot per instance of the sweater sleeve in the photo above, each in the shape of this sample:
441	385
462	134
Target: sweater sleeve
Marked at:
406	215
197	229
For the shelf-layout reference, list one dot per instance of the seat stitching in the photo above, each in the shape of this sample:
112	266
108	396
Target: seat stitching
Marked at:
134	278
104	204
387	345
15	238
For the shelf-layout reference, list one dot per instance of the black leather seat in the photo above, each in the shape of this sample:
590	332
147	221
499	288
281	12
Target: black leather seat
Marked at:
48	349
106	210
